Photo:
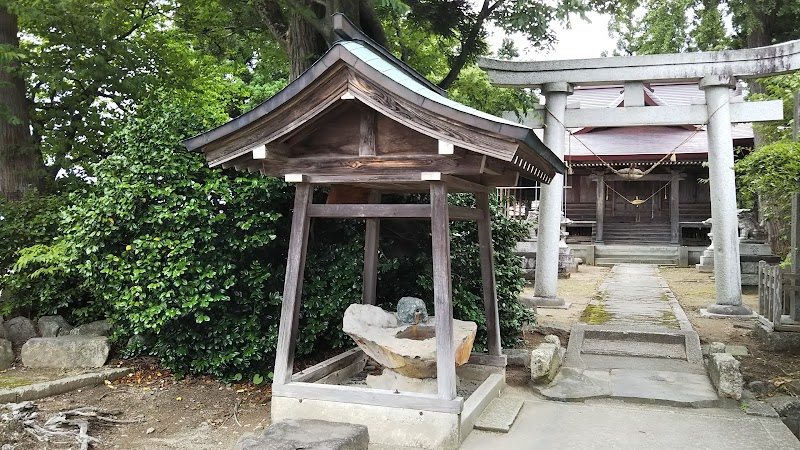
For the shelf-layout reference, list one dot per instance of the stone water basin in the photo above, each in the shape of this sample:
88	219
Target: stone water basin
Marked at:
409	350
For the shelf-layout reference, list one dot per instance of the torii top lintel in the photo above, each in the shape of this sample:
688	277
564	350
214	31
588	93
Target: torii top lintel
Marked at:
745	63
358	112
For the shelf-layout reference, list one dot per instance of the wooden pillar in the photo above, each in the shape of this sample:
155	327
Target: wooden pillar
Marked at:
371	255
487	274
442	292
794	298
601	208
674	208
293	285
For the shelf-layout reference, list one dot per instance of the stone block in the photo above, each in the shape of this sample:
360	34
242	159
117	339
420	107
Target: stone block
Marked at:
723	369
66	352
6	354
19	330
308	434
96	328
545	361
777	341
518	357
52	326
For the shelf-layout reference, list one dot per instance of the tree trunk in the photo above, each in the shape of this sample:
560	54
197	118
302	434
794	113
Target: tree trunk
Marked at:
21	163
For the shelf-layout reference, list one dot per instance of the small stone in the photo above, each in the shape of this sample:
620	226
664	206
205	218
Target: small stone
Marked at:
785	405
96	328
19	330
723	369
736	350
757	386
411	310
716	347
150	430
52	326
518	357
553	339
6	354
545	361
747	394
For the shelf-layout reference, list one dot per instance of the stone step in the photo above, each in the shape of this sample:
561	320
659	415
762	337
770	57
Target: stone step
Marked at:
500	414
626	348
635	260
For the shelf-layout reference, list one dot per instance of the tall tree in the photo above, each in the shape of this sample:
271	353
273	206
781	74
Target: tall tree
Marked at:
21	162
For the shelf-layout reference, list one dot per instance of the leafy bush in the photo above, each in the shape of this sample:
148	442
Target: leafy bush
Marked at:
770	175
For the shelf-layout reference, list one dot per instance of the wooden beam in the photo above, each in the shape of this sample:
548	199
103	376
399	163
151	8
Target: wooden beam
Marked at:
600	205
371	233
454	184
674	208
464	213
330	365
367	132
293	285
365	396
364	211
487	275
442	292
488	360
374	165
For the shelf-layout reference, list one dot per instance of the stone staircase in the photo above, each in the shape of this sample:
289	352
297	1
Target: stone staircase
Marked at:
611	254
636	233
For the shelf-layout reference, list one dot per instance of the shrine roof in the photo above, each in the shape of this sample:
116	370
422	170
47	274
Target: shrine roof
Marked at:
383	83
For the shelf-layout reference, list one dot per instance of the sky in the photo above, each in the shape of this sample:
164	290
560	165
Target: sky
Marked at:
582	40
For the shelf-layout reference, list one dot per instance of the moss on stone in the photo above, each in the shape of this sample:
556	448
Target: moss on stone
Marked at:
595	314
12	382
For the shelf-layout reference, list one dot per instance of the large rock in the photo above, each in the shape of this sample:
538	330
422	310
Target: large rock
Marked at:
308	434
97	328
407	349
6	354
723	369
19	330
52	326
66	352
3	332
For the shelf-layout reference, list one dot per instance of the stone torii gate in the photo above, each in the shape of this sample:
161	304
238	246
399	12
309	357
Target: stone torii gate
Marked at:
716	73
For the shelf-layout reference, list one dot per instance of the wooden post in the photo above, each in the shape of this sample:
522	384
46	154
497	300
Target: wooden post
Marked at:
442	292
371	255
601	208
796	117
674	208
794	296
293	285
487	274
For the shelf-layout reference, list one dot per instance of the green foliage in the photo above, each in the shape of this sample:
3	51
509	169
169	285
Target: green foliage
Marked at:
663	26
770	174
781	87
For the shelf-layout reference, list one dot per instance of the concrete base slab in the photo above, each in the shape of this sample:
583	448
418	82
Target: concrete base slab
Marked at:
308	434
711	315
387	426
661	387
500	414
604	424
574	385
545	302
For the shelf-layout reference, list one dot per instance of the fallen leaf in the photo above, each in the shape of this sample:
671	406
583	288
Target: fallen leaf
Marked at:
150	430
178	398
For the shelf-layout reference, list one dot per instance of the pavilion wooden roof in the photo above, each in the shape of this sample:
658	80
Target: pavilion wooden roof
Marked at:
358	111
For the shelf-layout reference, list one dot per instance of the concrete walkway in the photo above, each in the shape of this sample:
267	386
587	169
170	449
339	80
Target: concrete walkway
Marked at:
609	424
638	345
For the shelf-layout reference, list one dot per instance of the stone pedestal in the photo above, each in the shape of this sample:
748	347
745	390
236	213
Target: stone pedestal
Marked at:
750	254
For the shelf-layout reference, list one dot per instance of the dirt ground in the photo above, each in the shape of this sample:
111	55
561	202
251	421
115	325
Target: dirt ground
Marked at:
192	413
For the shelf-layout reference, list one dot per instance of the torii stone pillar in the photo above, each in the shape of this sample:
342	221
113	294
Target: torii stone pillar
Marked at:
727	270
546	281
